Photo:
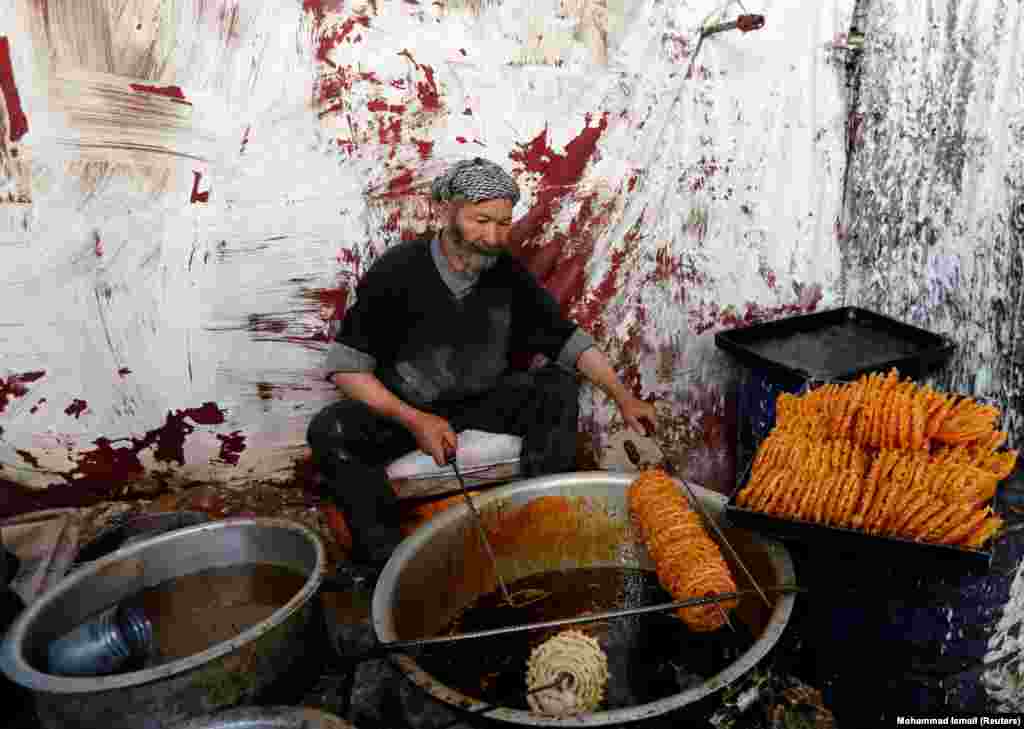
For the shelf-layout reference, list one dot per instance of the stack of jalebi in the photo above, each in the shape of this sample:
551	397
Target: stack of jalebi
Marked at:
689	563
884	457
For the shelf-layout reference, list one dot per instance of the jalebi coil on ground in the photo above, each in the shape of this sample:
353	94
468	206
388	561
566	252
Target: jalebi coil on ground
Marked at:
689	563
580	657
883	457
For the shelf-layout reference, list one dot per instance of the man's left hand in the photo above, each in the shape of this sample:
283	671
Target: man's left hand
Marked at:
638	415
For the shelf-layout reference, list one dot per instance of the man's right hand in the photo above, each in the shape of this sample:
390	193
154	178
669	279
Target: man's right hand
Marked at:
434	435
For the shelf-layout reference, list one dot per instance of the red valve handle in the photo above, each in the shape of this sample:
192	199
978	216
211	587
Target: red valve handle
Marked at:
747	23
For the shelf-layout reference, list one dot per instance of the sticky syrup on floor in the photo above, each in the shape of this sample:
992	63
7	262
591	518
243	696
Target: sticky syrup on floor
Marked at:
650	657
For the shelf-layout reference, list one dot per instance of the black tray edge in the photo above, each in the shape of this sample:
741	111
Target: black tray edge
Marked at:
849	540
938	348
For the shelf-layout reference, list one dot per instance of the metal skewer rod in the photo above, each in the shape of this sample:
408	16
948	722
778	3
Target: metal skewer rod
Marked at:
725	617
735	554
399	646
480	528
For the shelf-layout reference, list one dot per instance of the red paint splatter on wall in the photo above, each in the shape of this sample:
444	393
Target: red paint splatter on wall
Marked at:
711	317
170	439
333	88
319	8
390	133
399	186
335	85
677	268
329	41
76	408
106	467
381	105
541	260
567	280
634	348
14	386
589	316
559	174
333	304
35	408
426	148
124	371
426	90
231	446
117	464
174	93
196	195
17	122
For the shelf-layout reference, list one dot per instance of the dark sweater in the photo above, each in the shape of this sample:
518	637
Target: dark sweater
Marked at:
428	345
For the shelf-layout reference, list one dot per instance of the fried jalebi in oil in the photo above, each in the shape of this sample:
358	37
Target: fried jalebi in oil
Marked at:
688	561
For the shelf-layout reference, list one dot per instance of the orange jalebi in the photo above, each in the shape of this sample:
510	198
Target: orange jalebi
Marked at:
688	561
885	457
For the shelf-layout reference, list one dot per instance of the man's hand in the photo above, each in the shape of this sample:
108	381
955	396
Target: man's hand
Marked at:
639	416
434	436
595	367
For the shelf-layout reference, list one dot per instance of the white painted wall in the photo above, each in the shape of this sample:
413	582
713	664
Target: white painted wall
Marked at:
734	175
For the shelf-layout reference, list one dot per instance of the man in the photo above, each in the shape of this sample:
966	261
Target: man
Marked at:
424	354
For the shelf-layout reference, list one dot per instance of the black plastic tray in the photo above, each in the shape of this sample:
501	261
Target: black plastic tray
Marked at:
839	344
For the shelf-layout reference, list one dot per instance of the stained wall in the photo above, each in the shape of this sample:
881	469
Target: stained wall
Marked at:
191	190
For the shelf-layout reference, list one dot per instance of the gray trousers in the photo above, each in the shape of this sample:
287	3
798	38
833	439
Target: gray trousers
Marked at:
352	446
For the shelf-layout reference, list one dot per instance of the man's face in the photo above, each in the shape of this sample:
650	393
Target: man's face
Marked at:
480	231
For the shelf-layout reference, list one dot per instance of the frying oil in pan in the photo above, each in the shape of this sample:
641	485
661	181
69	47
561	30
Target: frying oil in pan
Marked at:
650	656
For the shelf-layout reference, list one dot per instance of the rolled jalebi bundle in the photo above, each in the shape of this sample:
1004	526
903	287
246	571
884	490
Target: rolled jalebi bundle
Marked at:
688	562
579	659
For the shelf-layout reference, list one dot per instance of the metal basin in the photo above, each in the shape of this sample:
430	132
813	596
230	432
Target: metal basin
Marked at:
271	717
440	569
225	674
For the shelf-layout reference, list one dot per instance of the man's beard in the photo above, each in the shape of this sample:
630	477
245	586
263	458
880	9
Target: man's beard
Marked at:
475	257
